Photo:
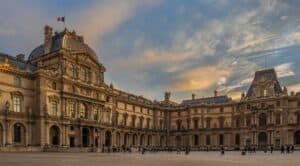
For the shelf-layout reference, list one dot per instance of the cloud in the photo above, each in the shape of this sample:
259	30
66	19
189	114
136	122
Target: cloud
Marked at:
102	17
198	78
284	70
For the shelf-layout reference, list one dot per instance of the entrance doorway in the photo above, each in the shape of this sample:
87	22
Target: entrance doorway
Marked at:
54	135
262	139
85	137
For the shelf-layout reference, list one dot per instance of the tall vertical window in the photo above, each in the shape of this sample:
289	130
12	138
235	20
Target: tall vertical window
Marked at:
72	110
95	115
148	123
73	71
85	73
17	103
83	112
277	119
18	81
195	123
53	107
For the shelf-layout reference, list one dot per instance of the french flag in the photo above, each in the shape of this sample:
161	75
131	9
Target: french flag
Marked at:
61	19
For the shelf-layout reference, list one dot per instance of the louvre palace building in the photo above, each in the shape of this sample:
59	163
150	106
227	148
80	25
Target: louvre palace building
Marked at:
57	99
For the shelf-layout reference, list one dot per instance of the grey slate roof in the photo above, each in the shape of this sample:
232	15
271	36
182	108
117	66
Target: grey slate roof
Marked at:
64	40
267	74
207	100
22	65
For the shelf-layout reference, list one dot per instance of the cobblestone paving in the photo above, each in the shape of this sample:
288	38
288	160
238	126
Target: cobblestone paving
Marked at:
149	159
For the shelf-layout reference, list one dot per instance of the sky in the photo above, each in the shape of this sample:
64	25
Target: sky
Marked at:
152	46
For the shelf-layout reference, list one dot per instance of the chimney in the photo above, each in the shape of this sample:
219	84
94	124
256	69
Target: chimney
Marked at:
167	96
20	57
215	93
193	96
47	39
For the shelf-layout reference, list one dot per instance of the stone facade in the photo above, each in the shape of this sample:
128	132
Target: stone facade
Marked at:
58	98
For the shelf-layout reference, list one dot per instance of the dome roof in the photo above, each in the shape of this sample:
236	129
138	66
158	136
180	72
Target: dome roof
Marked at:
63	40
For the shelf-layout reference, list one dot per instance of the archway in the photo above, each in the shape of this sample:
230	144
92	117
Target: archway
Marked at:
237	139
196	140
107	138
149	140
134	139
54	135
262	119
85	137
297	137
178	141
142	138
262	139
221	139
19	134
126	139
118	139
162	141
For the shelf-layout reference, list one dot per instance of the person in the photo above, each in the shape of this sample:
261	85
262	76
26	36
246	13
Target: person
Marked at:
287	149
187	150
143	150
282	149
178	150
271	149
222	150
292	148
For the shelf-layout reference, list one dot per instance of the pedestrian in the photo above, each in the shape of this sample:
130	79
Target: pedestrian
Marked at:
292	149
222	150
271	149
282	149
287	149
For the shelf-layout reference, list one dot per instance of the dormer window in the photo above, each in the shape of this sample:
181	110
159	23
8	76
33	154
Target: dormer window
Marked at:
265	92
18	81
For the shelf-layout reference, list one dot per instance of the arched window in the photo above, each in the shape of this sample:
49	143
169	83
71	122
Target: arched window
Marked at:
262	119
83	112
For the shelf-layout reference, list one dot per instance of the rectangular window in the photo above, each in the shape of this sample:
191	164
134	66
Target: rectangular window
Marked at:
17	103
53	107
95	115
196	124
72	110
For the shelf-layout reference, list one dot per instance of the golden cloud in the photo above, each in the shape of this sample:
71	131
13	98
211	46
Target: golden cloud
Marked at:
199	78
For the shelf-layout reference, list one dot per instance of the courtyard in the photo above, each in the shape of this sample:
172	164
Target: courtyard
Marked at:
149	159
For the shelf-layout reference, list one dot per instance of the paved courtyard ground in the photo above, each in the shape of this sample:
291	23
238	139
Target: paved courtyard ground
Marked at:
149	159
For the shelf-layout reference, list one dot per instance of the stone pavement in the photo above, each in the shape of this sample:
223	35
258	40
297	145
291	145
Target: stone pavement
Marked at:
149	159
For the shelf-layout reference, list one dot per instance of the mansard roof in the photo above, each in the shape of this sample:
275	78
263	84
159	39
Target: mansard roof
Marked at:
64	40
16	63
265	75
207	100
